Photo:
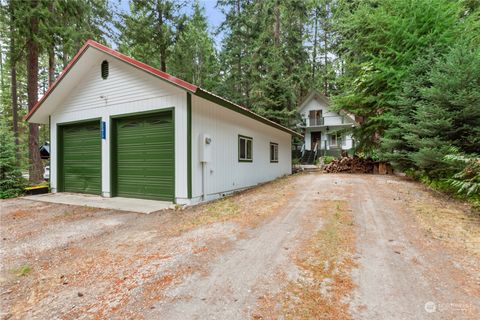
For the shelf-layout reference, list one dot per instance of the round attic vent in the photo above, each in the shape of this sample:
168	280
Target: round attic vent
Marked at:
105	69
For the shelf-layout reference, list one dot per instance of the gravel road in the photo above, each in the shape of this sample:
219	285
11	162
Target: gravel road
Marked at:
239	276
403	273
217	261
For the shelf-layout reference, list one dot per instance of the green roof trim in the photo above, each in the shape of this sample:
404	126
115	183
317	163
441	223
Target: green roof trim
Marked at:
242	110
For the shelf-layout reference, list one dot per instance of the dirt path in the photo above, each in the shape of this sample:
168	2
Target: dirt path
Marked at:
238	277
397	277
403	273
309	246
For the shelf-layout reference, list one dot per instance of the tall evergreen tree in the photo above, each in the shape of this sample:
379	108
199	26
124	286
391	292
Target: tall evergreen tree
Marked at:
294	20
148	31
442	101
33	47
14	57
71	23
279	61
323	41
380	42
193	57
237	47
36	29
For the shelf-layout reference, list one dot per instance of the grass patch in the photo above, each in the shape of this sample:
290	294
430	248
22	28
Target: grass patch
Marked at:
450	224
326	262
67	214
217	211
22	271
248	207
445	187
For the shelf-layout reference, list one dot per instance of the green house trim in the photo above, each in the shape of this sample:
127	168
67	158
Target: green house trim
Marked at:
189	145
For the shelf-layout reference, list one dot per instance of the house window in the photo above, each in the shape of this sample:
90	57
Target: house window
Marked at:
273	152
333	139
245	147
315	118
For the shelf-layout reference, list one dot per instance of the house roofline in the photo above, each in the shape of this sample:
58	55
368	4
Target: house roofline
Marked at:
314	93
162	75
90	43
243	110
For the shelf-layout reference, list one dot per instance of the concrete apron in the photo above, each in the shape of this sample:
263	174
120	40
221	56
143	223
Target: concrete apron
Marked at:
116	203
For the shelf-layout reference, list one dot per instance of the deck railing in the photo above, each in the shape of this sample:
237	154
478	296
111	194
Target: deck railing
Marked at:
326	121
313	122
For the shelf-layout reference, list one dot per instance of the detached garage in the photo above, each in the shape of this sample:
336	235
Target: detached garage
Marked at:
120	128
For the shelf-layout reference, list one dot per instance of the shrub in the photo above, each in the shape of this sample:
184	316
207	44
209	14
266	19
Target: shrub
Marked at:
466	181
11	181
328	159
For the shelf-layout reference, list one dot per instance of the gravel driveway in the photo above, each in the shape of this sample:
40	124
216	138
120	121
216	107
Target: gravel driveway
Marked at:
303	247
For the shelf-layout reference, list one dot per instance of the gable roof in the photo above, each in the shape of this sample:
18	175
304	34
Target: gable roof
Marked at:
316	94
313	94
90	44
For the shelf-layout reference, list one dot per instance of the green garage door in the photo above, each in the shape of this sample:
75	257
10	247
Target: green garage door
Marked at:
81	158
143	165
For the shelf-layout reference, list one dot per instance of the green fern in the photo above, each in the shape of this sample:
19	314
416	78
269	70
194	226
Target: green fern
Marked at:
467	181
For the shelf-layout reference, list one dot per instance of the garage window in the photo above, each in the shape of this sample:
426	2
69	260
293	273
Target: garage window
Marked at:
245	146
273	152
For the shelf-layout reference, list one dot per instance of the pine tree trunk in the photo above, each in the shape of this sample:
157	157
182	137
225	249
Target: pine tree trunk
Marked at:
239	61
163	63
13	73
325	83
51	55
163	42
13	79
51	65
315	43
325	33
276	35
64	57
64	53
35	169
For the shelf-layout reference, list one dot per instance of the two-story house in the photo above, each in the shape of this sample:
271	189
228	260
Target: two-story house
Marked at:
327	132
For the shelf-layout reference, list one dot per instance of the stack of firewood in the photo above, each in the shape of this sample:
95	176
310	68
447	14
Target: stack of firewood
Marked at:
350	165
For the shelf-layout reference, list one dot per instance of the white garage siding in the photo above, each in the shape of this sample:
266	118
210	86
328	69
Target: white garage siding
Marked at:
224	173
126	90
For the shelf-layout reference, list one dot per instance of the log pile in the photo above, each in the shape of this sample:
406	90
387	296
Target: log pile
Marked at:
350	165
